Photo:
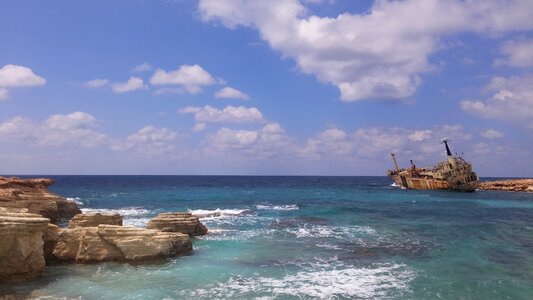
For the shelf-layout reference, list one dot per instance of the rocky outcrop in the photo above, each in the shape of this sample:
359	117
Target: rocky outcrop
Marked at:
178	222
33	195
514	185
21	244
117	243
93	220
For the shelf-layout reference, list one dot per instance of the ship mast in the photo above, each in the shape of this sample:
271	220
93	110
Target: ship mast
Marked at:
394	160
451	159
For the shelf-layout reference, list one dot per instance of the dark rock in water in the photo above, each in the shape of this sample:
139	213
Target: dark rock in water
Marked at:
376	249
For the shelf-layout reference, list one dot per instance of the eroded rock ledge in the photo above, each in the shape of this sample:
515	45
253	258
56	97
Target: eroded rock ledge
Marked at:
33	194
21	244
514	185
178	222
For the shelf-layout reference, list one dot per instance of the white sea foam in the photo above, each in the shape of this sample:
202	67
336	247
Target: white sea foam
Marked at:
321	231
278	207
76	199
394	184
215	213
380	280
133	216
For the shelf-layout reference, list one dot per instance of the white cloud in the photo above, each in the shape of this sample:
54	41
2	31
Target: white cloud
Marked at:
512	101
518	54
378	54
77	128
199	127
14	76
133	84
492	134
95	83
231	93
192	78
420	135
230	114
142	68
268	141
149	140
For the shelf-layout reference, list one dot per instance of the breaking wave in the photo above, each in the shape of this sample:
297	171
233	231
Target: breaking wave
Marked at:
278	207
76	199
215	213
376	281
133	216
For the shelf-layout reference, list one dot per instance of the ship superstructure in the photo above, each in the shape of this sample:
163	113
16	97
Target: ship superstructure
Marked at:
455	173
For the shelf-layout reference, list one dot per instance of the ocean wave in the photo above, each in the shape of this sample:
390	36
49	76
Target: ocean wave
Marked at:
133	216
380	280
278	207
215	213
321	231
125	211
76	199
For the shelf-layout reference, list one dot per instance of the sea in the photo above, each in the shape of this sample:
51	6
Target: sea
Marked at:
305	237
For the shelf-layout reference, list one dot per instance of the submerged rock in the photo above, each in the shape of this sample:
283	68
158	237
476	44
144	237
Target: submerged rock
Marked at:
178	222
117	243
93	220
21	244
33	194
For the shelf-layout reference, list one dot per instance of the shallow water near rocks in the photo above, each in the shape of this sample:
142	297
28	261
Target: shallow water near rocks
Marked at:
306	237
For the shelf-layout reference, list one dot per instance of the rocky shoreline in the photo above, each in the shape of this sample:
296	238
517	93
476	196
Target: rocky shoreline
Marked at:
30	237
512	185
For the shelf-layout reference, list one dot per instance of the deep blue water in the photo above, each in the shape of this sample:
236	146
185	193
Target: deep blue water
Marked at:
307	237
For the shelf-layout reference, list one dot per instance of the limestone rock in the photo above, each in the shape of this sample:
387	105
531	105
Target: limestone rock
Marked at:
21	244
178	222
117	243
93	220
513	185
33	194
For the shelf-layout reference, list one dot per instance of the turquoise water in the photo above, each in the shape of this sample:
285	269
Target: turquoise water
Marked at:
307	237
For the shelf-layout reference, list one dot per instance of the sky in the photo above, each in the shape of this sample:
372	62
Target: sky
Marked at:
280	87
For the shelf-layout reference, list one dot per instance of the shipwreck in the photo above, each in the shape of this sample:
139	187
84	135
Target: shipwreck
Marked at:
455	174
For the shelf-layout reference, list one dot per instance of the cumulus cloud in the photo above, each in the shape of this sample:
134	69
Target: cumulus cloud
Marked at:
14	76
95	83
192	78
77	128
518	54
149	140
512	101
133	84
378	54
230	114
142	68
492	134
231	93
420	135
268	141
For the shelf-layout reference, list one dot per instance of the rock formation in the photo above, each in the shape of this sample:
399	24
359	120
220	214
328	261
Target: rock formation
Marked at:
21	244
93	220
514	185
33	194
117	243
178	222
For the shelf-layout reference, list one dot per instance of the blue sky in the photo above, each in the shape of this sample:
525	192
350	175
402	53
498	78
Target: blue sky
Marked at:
264	87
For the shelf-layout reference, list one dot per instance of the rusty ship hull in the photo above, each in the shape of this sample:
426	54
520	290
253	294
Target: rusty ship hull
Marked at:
455	174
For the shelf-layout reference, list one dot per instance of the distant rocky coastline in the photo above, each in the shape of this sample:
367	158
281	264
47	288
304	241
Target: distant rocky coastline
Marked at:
512	185
30	237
